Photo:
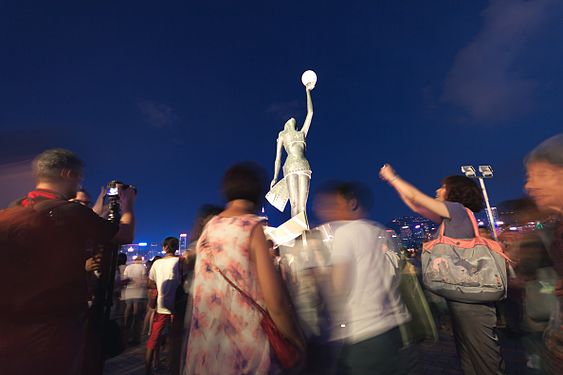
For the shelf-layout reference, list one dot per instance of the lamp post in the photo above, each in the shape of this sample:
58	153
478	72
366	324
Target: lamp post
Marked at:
486	172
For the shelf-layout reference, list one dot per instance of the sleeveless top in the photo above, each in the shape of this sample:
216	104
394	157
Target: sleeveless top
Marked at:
225	335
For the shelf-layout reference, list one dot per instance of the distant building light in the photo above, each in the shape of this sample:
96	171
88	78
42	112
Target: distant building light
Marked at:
513	228
183	235
143	244
130	249
417	226
405	227
499	222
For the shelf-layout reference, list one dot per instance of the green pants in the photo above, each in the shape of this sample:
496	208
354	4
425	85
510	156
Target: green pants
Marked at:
382	354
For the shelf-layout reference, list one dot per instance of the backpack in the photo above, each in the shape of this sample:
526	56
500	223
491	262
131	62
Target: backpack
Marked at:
33	269
465	270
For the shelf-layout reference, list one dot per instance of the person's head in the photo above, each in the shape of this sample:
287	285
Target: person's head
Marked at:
82	197
59	168
204	214
170	245
339	200
462	190
121	259
290	124
544	174
139	259
245	181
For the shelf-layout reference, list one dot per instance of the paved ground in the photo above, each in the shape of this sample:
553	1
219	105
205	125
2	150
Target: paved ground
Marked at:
436	359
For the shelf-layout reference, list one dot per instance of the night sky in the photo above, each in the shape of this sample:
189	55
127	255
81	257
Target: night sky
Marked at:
166	95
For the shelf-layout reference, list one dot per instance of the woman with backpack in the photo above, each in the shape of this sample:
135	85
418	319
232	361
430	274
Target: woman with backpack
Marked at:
474	324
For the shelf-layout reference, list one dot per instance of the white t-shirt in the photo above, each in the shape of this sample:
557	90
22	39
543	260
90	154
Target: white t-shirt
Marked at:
166	275
373	304
137	285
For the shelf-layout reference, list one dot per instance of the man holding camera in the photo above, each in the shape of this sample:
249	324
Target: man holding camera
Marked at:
44	238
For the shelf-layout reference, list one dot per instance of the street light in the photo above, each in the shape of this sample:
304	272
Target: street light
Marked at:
486	172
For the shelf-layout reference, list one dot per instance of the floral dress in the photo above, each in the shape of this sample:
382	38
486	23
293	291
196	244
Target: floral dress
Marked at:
225	335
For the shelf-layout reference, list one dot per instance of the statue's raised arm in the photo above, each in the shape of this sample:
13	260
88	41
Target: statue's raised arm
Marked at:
309	118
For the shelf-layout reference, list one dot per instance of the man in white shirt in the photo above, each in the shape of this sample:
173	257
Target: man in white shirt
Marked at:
135	297
365	282
165	276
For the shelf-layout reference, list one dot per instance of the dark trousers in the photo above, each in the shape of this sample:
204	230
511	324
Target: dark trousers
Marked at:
383	354
476	338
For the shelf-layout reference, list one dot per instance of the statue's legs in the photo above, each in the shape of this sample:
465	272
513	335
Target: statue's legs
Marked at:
292	181
304	183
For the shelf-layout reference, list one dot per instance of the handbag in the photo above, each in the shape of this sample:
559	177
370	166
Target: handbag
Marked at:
286	353
465	270
421	327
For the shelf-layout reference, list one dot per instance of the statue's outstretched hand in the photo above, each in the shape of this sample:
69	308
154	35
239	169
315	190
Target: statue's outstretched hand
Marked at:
272	183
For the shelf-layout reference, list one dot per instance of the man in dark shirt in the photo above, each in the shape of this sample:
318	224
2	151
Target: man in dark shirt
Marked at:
43	320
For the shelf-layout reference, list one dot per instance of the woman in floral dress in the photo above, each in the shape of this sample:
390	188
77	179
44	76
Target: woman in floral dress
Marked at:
225	335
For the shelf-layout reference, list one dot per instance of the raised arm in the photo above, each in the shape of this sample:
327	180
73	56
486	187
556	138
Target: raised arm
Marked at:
416	200
309	118
277	163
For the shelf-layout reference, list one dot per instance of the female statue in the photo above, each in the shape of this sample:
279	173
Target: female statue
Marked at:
296	169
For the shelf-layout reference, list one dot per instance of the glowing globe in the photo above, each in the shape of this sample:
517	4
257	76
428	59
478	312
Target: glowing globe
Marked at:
309	77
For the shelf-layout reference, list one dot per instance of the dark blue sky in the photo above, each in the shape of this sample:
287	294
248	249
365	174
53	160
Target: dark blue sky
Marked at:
166	95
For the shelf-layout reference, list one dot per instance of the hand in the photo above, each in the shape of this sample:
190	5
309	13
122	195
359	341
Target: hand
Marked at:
93	264
387	173
272	183
126	198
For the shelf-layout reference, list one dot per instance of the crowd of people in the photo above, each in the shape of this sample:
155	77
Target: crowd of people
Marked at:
336	295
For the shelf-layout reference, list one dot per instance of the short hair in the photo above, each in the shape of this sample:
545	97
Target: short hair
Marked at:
171	244
206	210
121	259
549	151
462	189
203	215
48	165
349	190
82	190
246	181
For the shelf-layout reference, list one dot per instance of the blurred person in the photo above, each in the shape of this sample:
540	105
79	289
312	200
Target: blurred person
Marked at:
474	324
364	284
529	302
205	213
165	276
544	184
44	323
225	335
135	298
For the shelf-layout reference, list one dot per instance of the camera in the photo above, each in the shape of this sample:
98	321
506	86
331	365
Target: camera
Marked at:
113	191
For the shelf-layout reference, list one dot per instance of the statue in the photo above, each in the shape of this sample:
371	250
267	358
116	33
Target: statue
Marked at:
296	170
